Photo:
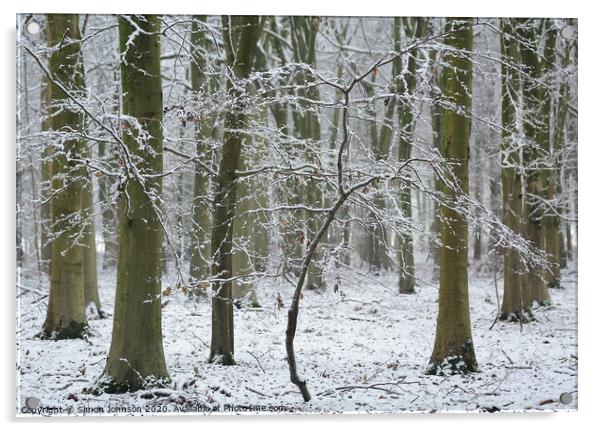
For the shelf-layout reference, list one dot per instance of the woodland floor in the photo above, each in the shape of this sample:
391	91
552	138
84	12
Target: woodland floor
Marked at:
363	349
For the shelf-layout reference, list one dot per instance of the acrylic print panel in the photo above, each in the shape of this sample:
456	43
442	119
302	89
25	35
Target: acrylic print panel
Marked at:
276	214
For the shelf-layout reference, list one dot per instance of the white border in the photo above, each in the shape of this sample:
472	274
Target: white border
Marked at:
590	161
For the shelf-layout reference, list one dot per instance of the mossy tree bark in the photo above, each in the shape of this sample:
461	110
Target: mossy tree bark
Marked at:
454	351
241	34
200	260
136	358
415	28
66	317
514	306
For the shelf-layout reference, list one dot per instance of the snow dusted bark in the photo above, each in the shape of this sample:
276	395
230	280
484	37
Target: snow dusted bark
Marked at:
240	36
136	359
435	111
454	350
415	28
66	317
514	305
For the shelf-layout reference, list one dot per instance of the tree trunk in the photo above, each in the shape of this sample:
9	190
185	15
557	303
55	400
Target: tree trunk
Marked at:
200	260
534	106
406	87
250	237
514	307
242	32
66	317
435	93
550	222
89	239
477	194
454	350
108	208
136	359
45	180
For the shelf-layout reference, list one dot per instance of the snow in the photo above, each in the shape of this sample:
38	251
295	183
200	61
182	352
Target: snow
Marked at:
362	349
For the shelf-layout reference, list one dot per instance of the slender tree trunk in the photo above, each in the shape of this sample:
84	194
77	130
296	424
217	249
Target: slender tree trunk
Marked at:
406	87
242	33
477	194
555	246
550	222
454	350
108	208
45	180
89	239
513	305
200	261
136	358
435	93
66	317
495	203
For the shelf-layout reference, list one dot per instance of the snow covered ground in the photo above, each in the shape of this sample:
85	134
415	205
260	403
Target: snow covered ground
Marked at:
363	349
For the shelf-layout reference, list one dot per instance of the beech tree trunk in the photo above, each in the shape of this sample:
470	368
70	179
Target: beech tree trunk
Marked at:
66	316
454	351
136	358
514	304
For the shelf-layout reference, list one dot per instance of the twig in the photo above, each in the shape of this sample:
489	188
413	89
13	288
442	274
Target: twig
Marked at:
258	363
256	392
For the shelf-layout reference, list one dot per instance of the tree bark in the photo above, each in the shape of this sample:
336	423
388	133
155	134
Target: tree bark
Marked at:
241	35
136	358
45	180
89	239
533	125
514	306
66	317
405	89
454	351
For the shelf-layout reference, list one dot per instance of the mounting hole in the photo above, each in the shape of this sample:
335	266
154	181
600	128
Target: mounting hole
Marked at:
33	27
32	402
566	398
